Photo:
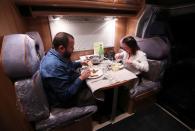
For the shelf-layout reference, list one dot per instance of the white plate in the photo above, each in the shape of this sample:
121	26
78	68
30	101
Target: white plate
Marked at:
97	74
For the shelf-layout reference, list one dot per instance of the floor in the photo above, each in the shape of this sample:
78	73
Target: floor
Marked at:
97	126
120	118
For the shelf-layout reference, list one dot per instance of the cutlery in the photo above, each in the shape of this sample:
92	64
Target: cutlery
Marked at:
104	78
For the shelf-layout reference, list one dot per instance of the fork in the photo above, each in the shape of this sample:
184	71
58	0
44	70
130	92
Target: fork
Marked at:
104	78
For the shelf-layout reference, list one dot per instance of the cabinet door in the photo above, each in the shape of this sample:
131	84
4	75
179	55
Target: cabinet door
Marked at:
129	1
104	1
68	1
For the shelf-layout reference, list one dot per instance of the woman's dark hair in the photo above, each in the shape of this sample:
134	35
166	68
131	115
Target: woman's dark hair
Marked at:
61	38
131	43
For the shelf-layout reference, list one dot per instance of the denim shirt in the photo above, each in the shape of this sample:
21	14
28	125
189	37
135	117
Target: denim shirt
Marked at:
59	76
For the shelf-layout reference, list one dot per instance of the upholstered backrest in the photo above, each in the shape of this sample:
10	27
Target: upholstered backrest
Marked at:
19	57
156	70
155	47
31	98
38	43
20	62
157	51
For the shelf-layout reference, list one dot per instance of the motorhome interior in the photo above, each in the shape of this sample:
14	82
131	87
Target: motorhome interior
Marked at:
160	98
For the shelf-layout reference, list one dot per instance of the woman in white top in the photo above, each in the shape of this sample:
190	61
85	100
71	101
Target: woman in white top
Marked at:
133	58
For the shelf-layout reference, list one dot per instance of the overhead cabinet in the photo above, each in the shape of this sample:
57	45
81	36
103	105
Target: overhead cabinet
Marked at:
107	7
129	1
106	1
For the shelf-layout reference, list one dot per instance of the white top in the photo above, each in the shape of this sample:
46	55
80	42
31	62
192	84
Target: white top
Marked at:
136	63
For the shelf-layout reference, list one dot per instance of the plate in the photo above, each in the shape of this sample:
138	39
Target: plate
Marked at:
97	74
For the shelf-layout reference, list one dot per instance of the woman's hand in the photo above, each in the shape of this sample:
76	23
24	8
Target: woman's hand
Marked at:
117	56
85	74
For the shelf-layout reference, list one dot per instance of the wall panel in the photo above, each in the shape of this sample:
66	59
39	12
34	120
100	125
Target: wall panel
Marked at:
40	24
120	29
131	26
10	22
10	117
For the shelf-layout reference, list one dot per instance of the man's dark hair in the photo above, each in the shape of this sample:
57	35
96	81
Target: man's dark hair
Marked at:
61	38
131	43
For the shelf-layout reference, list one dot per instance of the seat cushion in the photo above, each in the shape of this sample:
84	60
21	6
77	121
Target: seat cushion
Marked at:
144	88
63	117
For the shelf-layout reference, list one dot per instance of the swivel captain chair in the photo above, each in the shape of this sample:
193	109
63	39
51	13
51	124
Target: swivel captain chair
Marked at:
157	51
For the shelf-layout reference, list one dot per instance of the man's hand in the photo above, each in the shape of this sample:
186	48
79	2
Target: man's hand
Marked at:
85	74
85	62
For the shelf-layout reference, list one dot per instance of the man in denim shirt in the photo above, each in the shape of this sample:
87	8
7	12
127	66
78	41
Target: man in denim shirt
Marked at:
63	85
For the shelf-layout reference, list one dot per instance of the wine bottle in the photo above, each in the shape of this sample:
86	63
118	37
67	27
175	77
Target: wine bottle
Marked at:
101	52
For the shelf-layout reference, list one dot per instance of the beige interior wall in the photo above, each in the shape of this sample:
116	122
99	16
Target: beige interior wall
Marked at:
121	24
41	25
10	117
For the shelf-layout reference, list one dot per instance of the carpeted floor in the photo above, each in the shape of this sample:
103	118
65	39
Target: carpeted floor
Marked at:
153	119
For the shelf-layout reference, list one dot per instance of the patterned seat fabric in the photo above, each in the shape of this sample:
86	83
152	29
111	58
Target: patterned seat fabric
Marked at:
144	87
64	117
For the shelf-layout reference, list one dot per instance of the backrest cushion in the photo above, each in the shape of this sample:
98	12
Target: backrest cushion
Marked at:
31	98
38	43
19	57
155	48
156	70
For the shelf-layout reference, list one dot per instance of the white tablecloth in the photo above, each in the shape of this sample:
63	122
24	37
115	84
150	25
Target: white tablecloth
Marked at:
109	78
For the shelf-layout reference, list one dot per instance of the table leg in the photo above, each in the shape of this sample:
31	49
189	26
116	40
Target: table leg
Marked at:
114	104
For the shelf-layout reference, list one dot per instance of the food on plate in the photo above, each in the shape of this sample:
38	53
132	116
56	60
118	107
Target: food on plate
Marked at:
90	64
116	66
93	72
91	57
95	59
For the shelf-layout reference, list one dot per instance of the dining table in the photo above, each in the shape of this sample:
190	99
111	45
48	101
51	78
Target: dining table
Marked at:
110	79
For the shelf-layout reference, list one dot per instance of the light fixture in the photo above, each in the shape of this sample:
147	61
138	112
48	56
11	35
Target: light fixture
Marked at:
57	17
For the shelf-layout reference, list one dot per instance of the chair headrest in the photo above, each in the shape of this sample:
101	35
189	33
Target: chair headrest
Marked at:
38	43
19	57
155	48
